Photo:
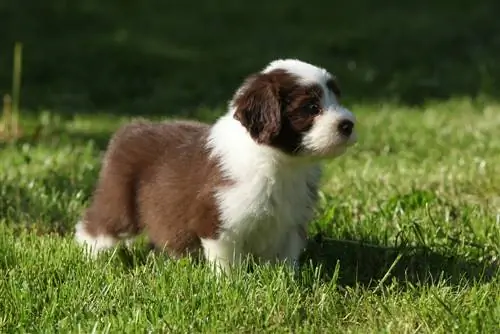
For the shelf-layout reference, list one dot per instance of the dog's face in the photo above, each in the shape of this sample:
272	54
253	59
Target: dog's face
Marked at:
294	107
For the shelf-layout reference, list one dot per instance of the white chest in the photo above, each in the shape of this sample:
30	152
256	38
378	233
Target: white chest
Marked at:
258	212
271	194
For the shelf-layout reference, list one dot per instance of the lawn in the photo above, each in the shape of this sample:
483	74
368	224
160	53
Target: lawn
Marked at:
407	233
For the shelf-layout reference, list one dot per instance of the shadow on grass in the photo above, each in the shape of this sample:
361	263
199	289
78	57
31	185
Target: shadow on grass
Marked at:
157	57
367	264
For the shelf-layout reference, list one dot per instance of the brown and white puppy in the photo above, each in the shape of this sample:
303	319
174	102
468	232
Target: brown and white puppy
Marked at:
246	185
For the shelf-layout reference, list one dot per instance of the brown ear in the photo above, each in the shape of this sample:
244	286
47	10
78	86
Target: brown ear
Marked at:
258	108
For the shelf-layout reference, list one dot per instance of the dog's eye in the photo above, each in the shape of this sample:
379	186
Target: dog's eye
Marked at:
311	108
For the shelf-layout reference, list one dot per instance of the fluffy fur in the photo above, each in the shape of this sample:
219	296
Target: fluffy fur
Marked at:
246	185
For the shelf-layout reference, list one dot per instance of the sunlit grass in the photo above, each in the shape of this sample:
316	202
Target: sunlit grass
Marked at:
406	239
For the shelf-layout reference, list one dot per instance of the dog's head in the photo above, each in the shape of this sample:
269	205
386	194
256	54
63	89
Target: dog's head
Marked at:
294	107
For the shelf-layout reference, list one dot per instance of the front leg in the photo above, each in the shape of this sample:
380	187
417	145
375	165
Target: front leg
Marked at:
221	254
293	246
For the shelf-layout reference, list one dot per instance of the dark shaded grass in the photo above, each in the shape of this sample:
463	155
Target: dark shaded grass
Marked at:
157	57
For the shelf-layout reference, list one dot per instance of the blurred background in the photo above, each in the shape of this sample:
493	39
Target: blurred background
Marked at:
174	58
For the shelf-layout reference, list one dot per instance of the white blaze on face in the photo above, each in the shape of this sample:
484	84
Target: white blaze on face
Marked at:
323	139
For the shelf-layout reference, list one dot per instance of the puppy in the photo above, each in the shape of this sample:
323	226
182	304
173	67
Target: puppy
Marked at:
245	185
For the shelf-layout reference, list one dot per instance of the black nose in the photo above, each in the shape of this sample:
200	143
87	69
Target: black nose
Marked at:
345	128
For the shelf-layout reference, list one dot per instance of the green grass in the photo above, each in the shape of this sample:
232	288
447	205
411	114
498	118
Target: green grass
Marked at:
407	233
406	239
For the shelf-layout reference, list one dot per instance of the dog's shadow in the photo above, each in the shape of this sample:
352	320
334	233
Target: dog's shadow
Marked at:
370	265
356	263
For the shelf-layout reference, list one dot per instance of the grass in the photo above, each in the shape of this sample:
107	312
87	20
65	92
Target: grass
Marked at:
407	234
406	239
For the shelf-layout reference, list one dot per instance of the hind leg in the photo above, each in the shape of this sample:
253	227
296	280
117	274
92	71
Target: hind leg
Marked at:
110	217
92	243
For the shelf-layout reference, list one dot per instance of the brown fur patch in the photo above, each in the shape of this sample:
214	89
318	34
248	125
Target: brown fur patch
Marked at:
159	173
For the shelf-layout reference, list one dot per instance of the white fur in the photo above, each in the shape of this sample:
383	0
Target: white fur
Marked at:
263	212
307	73
92	245
322	139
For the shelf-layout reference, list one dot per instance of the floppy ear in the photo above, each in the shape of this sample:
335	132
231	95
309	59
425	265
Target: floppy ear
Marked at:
258	108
